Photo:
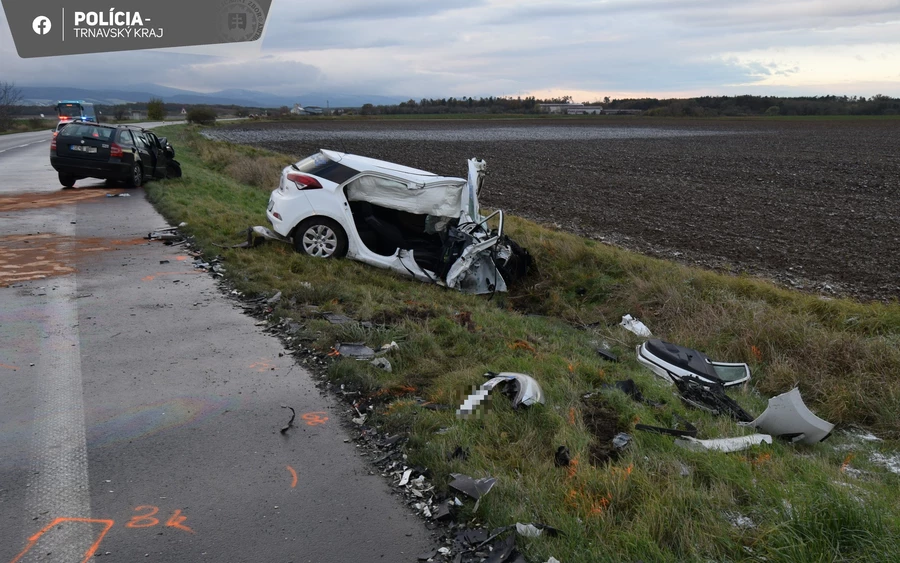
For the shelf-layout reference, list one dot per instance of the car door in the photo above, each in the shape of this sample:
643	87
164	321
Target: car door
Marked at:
148	158
130	152
159	162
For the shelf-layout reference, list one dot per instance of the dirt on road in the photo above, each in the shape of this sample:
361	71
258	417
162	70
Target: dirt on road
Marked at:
812	204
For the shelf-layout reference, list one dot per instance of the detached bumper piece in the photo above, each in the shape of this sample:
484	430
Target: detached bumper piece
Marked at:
789	418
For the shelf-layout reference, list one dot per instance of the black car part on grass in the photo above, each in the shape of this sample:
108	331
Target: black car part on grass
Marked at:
689	429
475	488
711	398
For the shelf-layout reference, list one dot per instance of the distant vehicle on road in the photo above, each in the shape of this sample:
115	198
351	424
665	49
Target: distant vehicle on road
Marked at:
132	155
71	110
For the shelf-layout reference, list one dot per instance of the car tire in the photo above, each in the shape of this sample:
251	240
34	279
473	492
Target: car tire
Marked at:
67	180
137	176
320	237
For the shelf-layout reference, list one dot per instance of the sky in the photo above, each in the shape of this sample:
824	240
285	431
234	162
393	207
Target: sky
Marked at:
585	49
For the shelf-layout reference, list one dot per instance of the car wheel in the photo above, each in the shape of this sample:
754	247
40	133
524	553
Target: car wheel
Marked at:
321	238
67	180
137	176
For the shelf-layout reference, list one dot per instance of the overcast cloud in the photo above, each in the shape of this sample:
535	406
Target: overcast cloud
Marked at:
588	49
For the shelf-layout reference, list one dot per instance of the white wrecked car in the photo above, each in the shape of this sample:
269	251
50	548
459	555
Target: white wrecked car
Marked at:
414	222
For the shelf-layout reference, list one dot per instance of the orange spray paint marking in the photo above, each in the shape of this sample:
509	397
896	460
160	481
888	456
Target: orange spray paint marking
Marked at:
144	520
572	416
847	461
14	368
262	366
293	476
87	554
181	258
176	521
756	353
313	418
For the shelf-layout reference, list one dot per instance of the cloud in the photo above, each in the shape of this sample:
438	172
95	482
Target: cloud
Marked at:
499	47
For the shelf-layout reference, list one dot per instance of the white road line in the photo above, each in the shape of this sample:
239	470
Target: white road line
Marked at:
59	486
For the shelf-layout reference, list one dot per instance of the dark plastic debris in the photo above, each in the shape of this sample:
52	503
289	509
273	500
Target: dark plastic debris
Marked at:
475	488
356	350
711	398
336	318
458	453
607	355
503	550
290	423
689	429
563	457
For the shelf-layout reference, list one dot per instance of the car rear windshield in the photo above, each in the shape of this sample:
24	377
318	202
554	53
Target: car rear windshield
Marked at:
89	132
319	165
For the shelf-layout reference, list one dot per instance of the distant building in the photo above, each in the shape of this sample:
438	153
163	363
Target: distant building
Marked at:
137	115
571	109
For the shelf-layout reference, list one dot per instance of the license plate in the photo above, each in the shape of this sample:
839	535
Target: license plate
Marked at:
82	148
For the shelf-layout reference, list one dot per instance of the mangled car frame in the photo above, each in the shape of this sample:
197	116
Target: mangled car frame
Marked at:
414	222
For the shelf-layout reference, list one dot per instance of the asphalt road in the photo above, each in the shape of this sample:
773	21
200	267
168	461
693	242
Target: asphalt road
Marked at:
140	409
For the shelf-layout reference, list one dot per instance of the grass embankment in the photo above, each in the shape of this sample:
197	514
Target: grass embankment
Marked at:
655	502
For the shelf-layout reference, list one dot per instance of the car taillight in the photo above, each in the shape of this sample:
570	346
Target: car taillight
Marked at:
304	182
53	143
115	150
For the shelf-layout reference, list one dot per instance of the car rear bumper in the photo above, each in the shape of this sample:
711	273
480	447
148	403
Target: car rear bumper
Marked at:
91	168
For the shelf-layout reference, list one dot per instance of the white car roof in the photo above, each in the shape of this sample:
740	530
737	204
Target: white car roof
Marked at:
366	164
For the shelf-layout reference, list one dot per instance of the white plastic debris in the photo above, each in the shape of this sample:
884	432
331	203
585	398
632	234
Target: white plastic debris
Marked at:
382	363
726	445
528	530
631	324
405	479
527	392
788	416
553	560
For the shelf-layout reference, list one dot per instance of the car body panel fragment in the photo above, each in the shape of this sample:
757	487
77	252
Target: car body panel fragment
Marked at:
672	362
788	417
726	445
524	390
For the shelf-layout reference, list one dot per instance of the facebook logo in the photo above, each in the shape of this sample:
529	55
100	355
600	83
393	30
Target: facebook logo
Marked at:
41	25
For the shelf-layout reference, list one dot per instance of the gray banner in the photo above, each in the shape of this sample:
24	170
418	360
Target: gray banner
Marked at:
44	28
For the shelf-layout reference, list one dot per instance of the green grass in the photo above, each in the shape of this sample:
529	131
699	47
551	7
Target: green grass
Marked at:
656	502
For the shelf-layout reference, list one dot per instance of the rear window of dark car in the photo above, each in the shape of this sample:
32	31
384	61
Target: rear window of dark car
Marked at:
88	131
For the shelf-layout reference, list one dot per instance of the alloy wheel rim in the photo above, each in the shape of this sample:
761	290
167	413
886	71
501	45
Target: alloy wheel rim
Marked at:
319	241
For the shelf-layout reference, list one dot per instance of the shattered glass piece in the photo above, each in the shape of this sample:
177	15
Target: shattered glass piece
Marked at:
788	417
726	445
475	488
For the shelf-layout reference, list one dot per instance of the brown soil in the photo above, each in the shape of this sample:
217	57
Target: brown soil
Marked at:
810	204
602	421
